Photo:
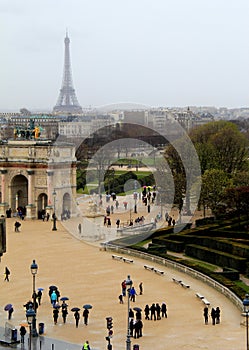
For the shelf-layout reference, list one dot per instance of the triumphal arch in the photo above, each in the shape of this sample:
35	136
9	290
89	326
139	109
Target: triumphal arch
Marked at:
37	176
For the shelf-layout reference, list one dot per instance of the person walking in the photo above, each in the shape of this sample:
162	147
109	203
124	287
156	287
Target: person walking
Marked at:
164	310
217	312
55	315
22	333
10	312
132	294
213	315
64	314
123	285
85	316
153	312
77	318
7	273
53	298
140	288
39	296
86	346
205	314
147	312
158	311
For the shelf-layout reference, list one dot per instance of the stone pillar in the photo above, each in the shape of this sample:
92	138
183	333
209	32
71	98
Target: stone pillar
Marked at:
3	205
30	208
49	187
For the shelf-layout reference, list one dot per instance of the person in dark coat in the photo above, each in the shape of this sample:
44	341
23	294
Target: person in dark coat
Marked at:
131	313
164	310
55	315
140	288
213	315
7	273
85	316
131	327
205	314
10	312
138	315
158	311
217	311
64	314
153	312
147	312
39	296
22	333
77	318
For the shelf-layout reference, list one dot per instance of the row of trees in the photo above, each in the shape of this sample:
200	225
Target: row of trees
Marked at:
224	167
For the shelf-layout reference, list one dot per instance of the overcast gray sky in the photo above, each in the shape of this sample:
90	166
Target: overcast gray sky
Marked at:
153	52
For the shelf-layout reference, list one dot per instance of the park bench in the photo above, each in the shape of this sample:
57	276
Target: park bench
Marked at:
184	285
205	301
117	257
159	272
199	296
176	281
127	260
149	268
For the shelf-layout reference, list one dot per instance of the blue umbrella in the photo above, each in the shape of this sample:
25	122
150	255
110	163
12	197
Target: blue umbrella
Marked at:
87	306
41	289
7	307
56	306
64	298
75	309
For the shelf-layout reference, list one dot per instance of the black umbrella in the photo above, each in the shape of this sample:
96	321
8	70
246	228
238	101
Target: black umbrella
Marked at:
56	306
75	309
7	307
53	287
41	289
137	309
87	306
64	298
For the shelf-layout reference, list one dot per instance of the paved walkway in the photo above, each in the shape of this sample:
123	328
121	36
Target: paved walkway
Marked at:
87	275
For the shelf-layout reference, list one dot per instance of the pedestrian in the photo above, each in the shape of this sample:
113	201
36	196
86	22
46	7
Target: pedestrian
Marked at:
121	299
131	326
217	312
205	314
123	285
48	216
55	315
158	311
147	312
86	346
213	315
39	296
85	316
64	314
6	273
53	298
17	224
131	313
164	310
77	318
132	294
118	223
79	228
22	333
138	315
153	312
10	312
140	288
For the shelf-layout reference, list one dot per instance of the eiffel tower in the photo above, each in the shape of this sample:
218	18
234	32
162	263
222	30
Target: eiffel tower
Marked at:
67	101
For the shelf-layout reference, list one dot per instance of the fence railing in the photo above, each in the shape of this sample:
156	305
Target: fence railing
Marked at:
177	266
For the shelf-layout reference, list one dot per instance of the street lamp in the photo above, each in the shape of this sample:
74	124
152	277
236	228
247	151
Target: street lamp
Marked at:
128	282
33	269
54	215
246	314
30	315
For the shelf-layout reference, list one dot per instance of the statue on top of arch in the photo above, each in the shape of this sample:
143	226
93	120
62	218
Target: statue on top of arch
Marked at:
28	133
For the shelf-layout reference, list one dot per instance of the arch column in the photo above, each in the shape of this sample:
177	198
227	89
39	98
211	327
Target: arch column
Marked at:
3	205
30	208
49	208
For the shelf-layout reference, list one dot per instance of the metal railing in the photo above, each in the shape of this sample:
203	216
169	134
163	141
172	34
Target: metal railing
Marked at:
174	265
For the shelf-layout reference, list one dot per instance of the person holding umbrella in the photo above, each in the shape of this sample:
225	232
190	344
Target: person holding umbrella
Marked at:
85	316
64	314
39	295
76	315
10	312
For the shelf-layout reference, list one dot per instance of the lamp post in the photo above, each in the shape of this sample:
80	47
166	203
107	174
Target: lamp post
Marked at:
128	282
54	215
246	314
30	315
33	269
